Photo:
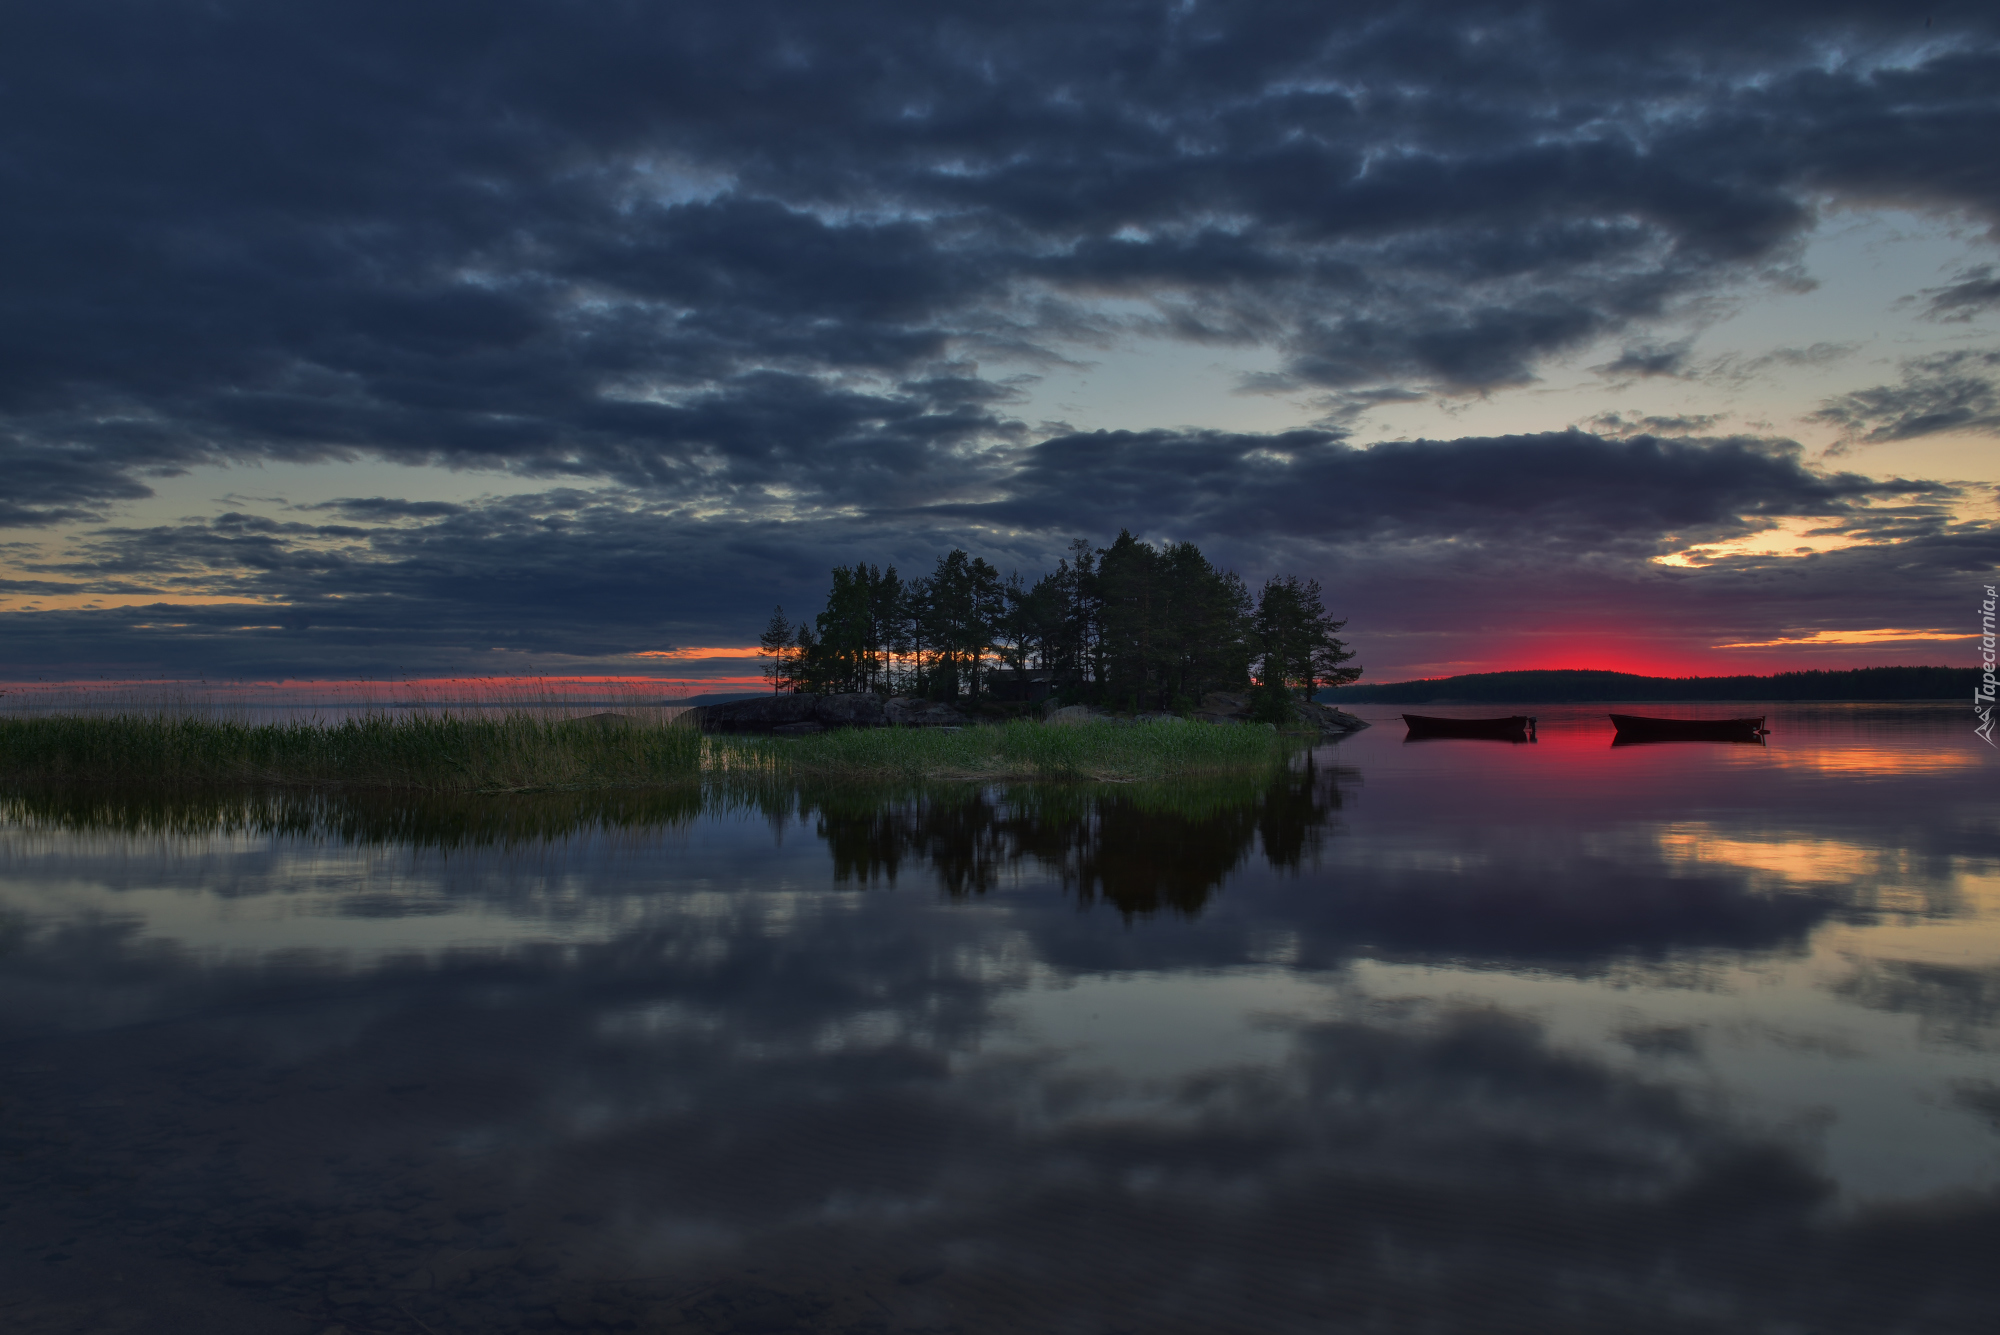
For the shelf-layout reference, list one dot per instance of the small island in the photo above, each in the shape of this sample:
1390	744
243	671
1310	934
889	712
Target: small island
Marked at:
1130	629
1128	662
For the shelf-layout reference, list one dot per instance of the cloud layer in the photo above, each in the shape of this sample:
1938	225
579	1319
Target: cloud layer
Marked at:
744	265
1475	534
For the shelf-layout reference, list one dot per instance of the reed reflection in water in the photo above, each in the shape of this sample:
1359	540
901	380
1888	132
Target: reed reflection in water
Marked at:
1508	1038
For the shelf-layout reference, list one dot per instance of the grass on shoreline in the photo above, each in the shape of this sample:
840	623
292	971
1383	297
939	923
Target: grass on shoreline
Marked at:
434	752
1017	750
444	752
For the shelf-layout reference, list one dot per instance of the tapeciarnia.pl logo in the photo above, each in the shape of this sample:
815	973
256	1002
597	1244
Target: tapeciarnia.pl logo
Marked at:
1982	694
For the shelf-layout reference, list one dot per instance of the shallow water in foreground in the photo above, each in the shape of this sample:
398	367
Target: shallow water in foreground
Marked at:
1423	1036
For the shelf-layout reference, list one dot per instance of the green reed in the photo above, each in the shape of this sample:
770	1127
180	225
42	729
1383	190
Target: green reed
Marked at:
438	752
383	816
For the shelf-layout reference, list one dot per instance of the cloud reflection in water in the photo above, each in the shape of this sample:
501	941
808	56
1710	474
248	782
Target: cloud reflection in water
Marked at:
840	1061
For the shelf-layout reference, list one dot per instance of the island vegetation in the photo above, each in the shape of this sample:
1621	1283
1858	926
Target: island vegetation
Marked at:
1129	627
434	750
1146	630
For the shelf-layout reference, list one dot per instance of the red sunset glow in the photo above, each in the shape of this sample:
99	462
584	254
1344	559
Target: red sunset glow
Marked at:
1598	648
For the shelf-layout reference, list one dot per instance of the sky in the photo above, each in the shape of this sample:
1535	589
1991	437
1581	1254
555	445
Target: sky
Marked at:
385	341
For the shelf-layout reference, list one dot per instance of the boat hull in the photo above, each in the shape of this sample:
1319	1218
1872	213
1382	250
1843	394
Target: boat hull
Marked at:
1516	728
1640	728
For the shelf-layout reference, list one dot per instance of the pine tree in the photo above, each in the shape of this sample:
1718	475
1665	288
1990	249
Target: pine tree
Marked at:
1129	625
844	631
775	644
1294	646
962	605
806	667
1076	656
1206	628
885	637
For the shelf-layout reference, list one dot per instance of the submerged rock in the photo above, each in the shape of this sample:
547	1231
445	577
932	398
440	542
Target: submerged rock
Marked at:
861	709
1223	707
1235	707
1336	722
607	719
766	713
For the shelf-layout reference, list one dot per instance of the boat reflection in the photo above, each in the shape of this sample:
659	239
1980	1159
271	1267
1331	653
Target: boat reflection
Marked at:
1624	740
1511	1038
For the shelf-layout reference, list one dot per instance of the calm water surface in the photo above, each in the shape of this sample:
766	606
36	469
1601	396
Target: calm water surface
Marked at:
1421	1037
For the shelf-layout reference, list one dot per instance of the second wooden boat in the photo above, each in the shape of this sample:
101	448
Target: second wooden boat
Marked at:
1514	728
1640	728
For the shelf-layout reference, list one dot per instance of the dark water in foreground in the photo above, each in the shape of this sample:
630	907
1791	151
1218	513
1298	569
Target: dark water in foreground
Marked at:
1425	1037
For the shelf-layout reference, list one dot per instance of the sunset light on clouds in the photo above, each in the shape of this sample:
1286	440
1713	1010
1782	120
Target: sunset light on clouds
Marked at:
534	340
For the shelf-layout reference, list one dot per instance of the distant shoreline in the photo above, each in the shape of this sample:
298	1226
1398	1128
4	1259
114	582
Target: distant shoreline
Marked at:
1567	686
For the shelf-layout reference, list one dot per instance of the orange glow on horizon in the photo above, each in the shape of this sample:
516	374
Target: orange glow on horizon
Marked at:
750	651
1623	648
1885	636
97	602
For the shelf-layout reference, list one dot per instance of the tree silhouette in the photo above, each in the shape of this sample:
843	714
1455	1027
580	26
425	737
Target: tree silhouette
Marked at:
1294	647
775	644
1132	626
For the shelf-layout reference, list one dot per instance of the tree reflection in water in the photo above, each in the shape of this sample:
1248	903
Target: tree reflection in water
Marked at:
1529	1054
1138	847
1141	847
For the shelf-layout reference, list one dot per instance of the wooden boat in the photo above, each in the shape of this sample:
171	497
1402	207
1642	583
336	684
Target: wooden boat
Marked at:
1639	728
1515	728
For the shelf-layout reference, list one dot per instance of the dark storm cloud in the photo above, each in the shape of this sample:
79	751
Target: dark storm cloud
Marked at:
380	509
1977	290
1567	488
50	485
1649	360
531	583
1618	425
744	261
692	251
1947	391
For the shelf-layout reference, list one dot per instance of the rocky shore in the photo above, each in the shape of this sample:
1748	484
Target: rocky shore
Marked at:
799	714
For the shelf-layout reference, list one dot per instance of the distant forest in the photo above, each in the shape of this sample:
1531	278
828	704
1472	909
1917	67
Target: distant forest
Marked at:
1876	683
1129	626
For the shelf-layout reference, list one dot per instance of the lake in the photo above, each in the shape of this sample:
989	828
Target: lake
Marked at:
1418	1036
